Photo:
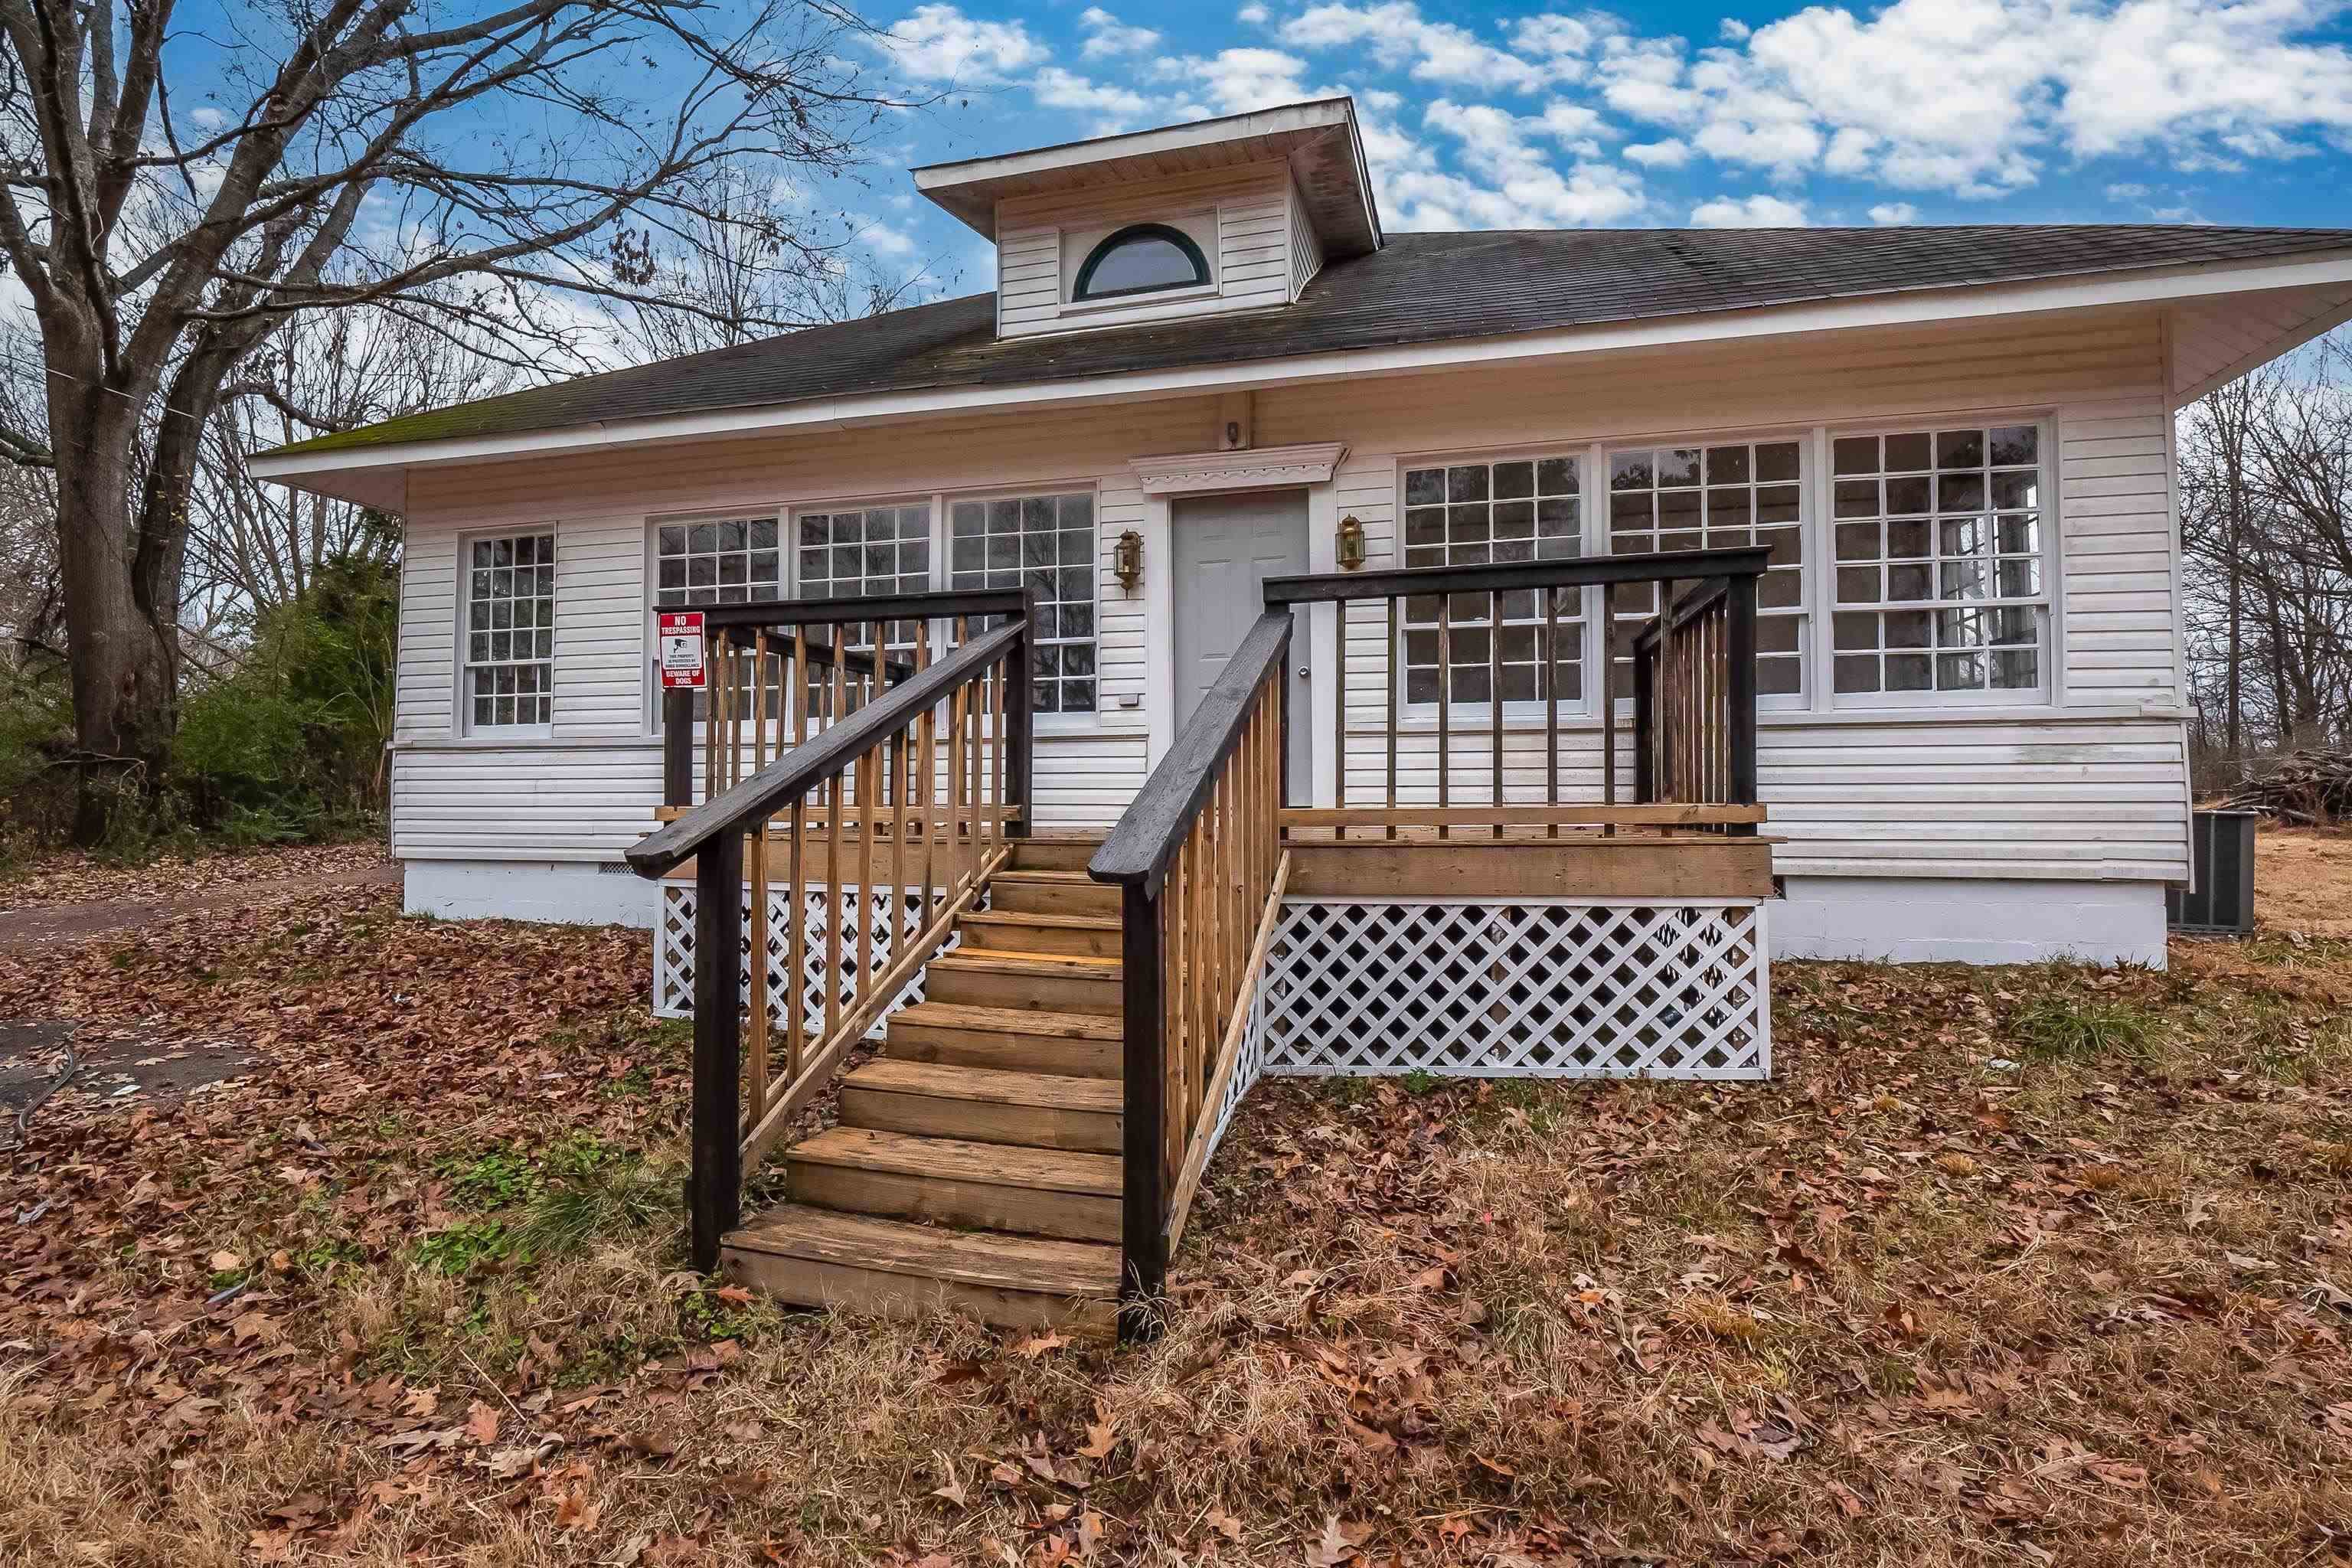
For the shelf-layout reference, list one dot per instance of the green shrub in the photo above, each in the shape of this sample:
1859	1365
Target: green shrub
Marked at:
291	744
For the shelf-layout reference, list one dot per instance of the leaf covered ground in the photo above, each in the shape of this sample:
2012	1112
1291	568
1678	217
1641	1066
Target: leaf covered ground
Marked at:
2024	1266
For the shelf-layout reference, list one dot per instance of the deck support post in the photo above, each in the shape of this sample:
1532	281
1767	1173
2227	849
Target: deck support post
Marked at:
1645	723
1143	1237
714	1194
1019	739
1740	651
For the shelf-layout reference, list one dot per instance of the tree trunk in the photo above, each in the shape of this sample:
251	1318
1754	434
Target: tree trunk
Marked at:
121	627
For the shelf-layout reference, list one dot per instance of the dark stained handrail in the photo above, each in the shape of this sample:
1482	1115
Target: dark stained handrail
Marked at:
1578	572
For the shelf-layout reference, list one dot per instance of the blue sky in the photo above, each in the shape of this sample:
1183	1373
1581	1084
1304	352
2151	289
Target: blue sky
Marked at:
1519	116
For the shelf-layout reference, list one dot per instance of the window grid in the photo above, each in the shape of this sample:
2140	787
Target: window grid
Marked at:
734	560
1471	514
1719	496
1048	543
1938	551
511	630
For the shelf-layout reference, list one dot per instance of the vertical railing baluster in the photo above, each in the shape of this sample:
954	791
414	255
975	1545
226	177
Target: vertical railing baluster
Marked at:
1549	672
1445	707
796	925
1394	667
758	867
1339	721
1608	700
1494	703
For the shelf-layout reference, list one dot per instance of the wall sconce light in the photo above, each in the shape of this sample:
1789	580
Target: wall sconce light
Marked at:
1127	563
1351	542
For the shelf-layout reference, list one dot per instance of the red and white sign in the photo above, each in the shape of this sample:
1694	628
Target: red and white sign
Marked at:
681	648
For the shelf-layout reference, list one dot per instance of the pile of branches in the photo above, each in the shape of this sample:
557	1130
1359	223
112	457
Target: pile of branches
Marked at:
2313	787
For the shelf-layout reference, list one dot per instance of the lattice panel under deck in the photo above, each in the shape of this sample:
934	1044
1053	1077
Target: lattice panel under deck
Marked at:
674	950
1520	990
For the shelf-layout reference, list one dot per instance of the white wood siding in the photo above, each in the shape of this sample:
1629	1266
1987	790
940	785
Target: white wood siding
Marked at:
2091	784
1306	249
1254	233
588	793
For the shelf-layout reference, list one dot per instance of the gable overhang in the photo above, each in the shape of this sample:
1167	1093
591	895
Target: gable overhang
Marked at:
376	477
1318	139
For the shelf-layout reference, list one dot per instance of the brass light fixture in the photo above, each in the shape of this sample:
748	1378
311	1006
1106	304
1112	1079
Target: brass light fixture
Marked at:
1351	542
1127	562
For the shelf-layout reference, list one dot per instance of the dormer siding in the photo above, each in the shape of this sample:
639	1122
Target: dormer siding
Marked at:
1249	221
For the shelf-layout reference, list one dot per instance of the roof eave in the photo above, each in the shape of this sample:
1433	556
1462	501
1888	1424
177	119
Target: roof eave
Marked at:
2165	285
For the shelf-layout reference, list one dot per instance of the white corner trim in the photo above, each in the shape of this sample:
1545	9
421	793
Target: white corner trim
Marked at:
1253	469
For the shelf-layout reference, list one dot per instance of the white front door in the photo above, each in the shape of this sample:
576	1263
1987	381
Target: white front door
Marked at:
1224	547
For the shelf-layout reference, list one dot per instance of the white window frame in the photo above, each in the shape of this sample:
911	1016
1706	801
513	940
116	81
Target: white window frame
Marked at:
943	574
2049	691
1072	245
1807	613
462	717
1516	713
787	513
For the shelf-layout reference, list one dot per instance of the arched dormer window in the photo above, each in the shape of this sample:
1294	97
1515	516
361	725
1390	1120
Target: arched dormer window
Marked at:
1142	258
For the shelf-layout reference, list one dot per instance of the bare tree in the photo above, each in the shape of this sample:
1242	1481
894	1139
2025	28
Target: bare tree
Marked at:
253	545
2266	525
460	167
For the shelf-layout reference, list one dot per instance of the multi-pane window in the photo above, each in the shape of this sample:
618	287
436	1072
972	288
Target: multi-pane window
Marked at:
1718	497
510	629
730	562
1048	543
862	551
1474	515
1939	557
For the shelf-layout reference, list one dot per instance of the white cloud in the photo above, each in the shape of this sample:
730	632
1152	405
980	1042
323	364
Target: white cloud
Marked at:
1255	15
1108	36
1552	35
1753	212
1058	88
1396	34
939	43
1237	80
1667	154
1894	212
1975	95
1508	181
2126	192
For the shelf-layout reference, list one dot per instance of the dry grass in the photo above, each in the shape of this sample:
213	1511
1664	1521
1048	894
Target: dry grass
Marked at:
2303	880
1898	1306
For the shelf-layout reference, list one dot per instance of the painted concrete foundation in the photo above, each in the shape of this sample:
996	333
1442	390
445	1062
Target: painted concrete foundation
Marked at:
1906	920
560	892
1900	920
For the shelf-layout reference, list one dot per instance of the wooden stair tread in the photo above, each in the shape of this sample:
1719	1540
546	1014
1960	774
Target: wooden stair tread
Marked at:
997	1261
1048	965
1059	922
1058	878
953	1160
994	1085
1009	1021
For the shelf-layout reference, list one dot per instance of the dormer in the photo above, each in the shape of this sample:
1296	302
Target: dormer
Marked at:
1237	213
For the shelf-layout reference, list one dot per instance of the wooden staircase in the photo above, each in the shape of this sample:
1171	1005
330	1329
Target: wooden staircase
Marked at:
975	1164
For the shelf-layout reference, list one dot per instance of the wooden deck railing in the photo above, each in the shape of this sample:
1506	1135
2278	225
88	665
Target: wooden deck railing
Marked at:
1694	690
1199	862
903	775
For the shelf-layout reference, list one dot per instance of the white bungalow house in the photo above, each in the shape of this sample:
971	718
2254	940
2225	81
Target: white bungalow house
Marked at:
1326	533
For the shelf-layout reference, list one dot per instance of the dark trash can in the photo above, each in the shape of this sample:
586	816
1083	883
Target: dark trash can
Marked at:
2221	858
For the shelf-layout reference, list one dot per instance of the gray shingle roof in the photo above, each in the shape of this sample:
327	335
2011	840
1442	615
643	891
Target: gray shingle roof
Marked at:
1420	289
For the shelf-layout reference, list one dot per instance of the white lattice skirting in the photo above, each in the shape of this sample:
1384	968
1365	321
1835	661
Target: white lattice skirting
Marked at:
1464	988
1476	989
673	949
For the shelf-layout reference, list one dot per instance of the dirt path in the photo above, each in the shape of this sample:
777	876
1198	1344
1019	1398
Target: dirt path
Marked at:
21	929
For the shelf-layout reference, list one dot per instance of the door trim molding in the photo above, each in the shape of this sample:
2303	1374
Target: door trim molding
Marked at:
1251	468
